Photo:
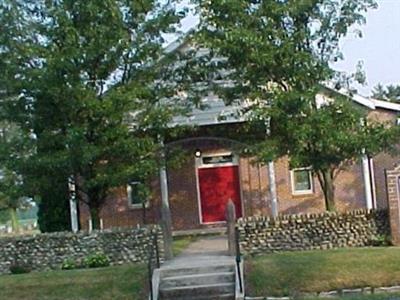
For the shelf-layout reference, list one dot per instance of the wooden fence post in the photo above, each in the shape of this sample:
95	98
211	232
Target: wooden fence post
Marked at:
231	223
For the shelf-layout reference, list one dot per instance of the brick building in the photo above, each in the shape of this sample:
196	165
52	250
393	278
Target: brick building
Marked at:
213	172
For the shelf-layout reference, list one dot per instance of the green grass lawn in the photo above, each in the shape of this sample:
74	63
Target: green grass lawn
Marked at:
119	282
313	271
384	296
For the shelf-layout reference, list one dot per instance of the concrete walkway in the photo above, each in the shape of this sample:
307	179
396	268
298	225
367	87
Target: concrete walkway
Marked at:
205	250
210	245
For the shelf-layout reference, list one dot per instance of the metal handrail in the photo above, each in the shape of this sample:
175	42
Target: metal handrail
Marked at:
238	259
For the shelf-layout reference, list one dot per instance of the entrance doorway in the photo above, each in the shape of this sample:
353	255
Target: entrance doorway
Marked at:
218	182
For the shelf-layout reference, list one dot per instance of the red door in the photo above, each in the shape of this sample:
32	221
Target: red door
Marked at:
218	185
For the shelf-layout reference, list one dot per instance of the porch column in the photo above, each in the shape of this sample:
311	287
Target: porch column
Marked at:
73	205
272	188
271	177
367	182
166	222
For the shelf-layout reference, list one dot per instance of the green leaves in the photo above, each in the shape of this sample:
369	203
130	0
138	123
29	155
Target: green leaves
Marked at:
78	75
388	93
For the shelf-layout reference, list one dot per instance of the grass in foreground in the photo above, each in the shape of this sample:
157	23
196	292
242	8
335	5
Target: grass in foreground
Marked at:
314	271
384	296
119	282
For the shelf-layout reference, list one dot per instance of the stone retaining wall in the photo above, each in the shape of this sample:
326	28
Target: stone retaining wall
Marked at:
48	251
313	231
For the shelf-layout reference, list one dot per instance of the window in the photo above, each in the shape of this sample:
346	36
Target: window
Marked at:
301	181
135	194
221	159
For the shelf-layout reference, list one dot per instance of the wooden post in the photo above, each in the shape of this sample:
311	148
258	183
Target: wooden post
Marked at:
166	222
73	204
231	223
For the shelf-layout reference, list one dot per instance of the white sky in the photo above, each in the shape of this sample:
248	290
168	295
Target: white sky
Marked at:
378	49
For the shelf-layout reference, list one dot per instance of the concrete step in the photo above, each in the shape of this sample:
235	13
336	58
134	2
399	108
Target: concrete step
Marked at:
193	269
197	279
229	296
193	291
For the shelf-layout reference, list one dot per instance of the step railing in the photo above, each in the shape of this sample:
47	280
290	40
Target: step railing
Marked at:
234	248
238	261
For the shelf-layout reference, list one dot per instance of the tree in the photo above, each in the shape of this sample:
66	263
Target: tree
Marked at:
81	73
388	93
327	139
275	54
12	192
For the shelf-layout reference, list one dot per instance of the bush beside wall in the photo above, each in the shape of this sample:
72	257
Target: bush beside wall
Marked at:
313	231
50	250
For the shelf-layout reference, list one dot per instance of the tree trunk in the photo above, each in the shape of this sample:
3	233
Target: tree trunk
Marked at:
95	216
14	219
92	197
329	190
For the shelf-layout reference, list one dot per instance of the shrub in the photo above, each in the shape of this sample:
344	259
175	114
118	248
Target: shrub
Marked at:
381	240
68	264
20	268
96	260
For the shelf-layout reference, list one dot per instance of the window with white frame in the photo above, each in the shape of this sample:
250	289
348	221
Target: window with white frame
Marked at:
135	195
302	181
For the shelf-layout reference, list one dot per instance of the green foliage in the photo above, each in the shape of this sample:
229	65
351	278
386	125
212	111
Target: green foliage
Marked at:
13	149
74	71
54	212
20	268
68	264
276	45
381	240
388	93
275	55
328	138
96	260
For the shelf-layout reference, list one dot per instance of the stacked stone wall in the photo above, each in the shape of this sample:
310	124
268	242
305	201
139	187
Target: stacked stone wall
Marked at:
313	231
50	250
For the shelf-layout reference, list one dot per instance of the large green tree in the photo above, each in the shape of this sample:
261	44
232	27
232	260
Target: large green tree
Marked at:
274	55
328	138
77	74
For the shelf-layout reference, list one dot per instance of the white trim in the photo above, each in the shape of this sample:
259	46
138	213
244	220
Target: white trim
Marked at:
198	190
199	165
386	104
272	188
373	186
73	205
302	192
367	182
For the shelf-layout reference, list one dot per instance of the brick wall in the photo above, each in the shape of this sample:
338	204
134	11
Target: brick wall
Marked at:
393	177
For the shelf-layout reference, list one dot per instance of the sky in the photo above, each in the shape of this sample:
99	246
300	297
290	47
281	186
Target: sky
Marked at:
378	49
